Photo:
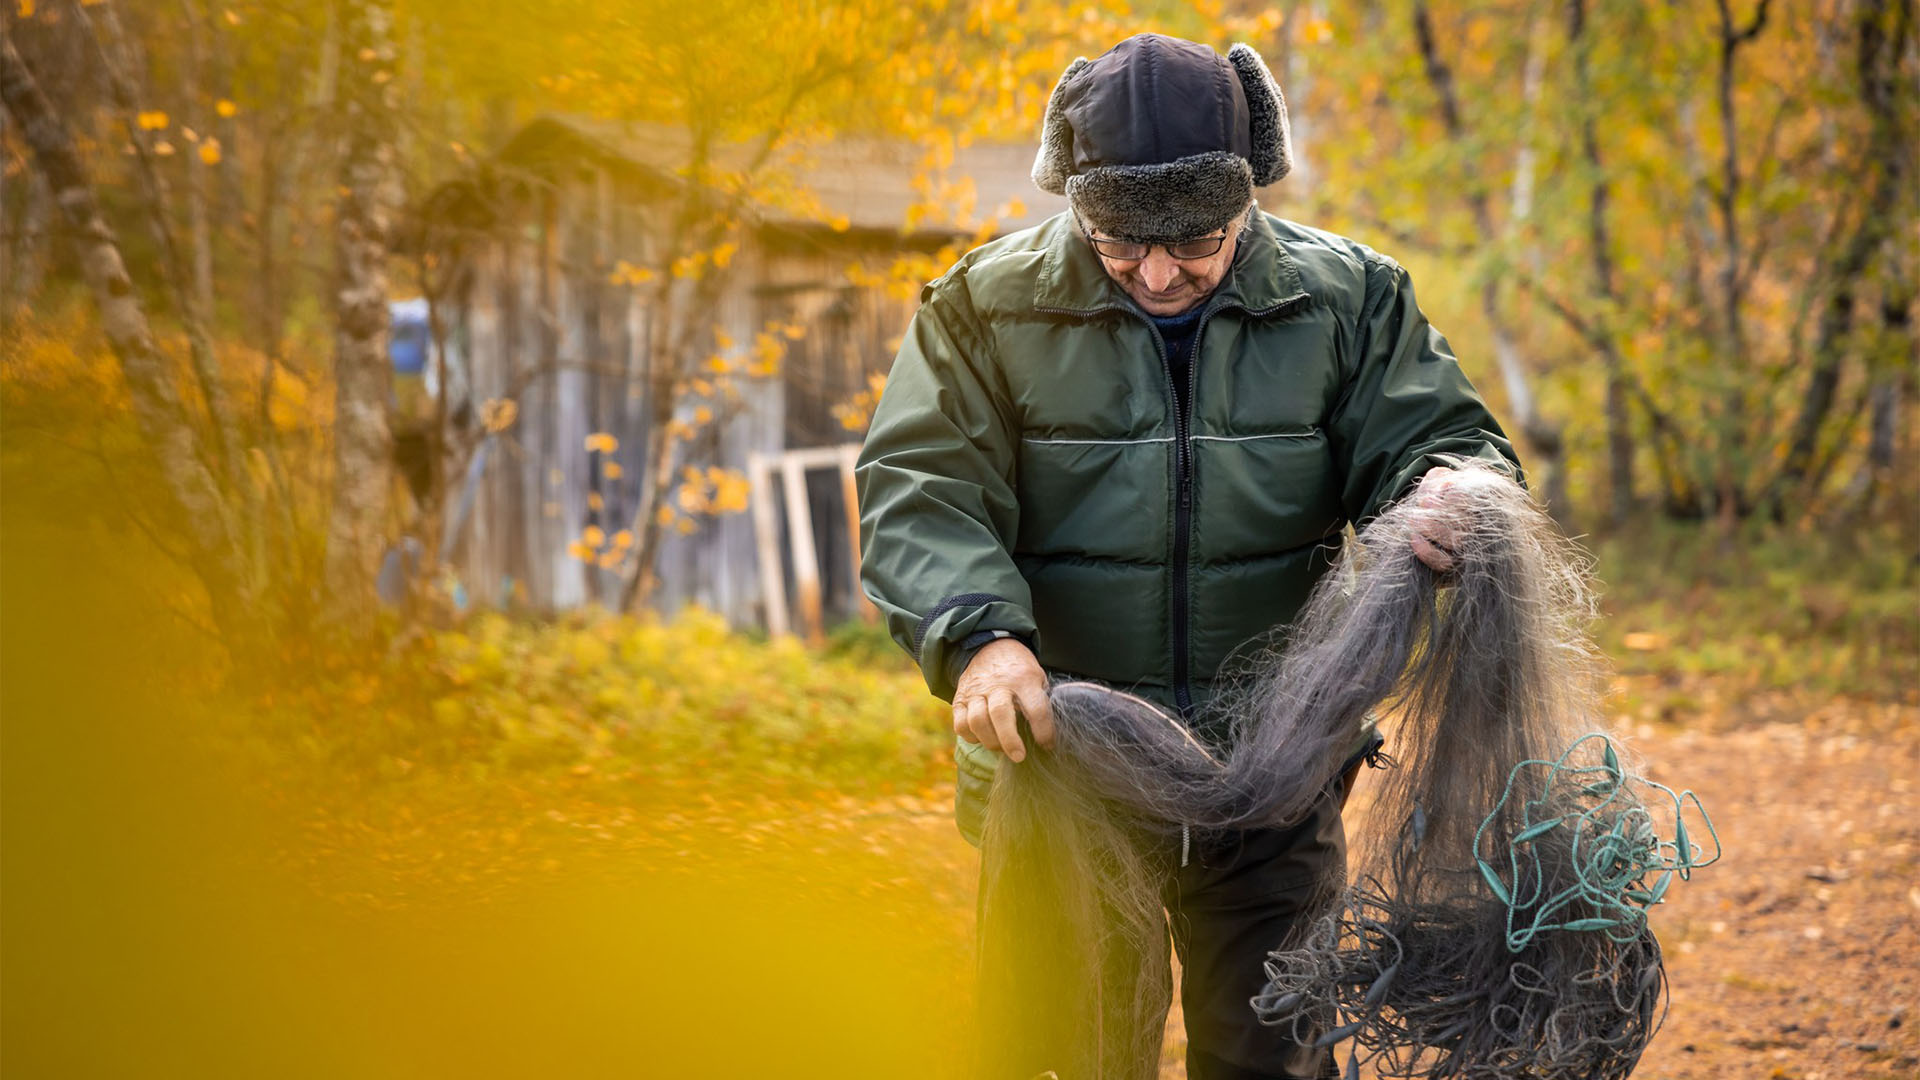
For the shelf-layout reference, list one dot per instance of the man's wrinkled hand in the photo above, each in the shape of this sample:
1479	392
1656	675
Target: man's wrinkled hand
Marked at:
1003	682
1434	527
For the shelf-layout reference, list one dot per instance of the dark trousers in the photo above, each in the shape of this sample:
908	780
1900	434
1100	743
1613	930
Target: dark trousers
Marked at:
1240	896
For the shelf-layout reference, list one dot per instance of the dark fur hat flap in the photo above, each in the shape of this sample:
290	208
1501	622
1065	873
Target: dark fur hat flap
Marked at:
1054	163
1272	142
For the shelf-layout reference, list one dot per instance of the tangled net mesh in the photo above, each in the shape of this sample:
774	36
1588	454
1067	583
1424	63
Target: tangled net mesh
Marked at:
1536	962
1496	926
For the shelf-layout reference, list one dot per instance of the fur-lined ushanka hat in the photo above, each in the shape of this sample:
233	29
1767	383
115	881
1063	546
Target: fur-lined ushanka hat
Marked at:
1160	139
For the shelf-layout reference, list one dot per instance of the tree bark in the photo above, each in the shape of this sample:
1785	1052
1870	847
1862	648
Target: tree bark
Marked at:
1543	436
25	241
1896	317
103	25
199	173
1879	53
289	141
1890	358
362	439
1729	491
7	230
1600	241
205	517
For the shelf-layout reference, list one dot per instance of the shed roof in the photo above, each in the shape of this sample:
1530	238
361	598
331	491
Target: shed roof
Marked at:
868	181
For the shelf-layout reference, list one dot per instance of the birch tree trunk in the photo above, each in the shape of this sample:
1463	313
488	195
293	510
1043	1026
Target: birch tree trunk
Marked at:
205	517
102	22
362	440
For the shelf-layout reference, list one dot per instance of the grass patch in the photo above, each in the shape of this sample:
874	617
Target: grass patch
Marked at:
1828	612
633	699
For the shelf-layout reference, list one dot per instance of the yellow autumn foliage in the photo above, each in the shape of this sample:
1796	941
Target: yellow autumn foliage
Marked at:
713	490
857	411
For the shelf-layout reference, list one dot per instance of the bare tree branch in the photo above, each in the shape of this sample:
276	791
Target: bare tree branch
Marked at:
157	411
110	47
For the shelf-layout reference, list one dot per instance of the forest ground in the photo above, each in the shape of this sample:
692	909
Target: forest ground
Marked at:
1798	956
275	888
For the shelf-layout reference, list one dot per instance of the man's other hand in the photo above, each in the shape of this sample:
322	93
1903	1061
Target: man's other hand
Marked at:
1433	533
1002	677
1442	498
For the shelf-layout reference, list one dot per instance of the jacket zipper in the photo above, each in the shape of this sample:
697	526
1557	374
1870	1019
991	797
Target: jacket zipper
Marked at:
1183	518
1182	508
1183	478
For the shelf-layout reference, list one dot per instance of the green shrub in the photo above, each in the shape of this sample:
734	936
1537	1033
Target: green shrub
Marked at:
1825	611
686	699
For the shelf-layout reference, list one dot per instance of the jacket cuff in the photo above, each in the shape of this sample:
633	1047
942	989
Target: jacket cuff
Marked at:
958	627
962	654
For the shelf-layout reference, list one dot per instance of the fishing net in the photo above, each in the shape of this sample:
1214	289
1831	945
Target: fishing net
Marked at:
1533	960
1495	927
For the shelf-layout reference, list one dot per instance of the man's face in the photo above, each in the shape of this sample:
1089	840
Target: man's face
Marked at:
1164	285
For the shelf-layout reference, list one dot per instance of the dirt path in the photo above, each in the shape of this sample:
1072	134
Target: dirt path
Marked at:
1798	957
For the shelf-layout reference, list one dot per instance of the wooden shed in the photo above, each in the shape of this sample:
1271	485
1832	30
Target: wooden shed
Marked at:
529	310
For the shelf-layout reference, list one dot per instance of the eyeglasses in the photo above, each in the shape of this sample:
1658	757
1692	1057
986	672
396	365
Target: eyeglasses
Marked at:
1134	251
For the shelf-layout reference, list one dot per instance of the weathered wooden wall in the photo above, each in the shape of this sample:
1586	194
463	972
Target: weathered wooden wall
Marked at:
541	323
850	333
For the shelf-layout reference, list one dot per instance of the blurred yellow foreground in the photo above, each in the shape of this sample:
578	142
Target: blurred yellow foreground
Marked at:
171	909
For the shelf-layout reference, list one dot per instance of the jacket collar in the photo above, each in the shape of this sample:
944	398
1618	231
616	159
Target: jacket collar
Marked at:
1263	280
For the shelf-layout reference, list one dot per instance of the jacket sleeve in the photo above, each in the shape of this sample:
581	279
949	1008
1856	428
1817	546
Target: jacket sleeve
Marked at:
938	514
1407	405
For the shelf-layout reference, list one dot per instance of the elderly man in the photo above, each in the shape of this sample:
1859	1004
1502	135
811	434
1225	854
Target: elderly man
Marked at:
1121	444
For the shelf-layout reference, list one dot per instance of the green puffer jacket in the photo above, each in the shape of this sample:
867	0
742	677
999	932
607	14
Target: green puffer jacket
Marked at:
1026	471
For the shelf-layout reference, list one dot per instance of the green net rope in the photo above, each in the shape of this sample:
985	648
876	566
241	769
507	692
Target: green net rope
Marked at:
1622	861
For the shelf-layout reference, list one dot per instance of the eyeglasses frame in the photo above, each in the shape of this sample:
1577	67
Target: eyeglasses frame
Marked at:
1221	241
